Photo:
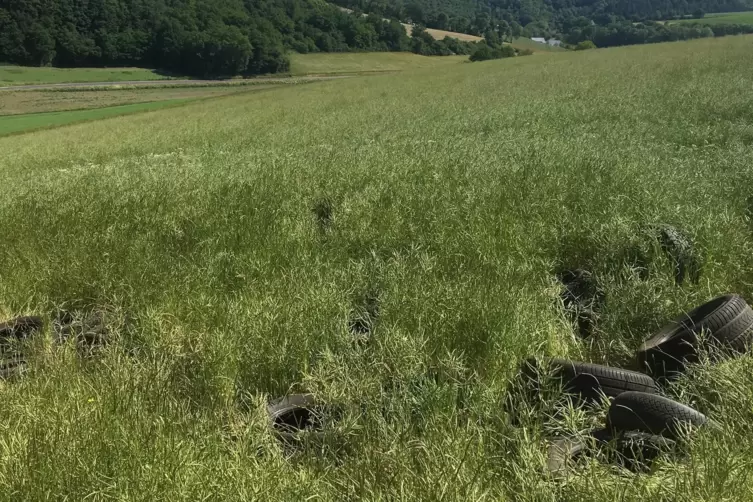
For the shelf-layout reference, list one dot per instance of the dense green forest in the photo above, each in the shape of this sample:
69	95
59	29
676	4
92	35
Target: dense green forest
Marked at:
248	37
534	17
621	32
195	37
605	23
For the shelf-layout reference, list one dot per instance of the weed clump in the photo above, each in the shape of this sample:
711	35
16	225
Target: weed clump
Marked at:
681	252
364	316
323	209
582	298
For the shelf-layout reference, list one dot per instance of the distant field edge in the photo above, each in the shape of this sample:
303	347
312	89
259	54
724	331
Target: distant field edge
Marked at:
14	75
11	125
741	17
184	84
342	64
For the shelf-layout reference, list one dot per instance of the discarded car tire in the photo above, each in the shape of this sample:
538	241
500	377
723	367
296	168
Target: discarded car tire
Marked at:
639	411
637	451
296	413
20	327
642	446
633	450
563	452
590	381
293	413
728	319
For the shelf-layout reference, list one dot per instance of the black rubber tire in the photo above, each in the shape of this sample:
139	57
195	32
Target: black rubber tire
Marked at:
590	381
632	450
20	327
293	413
728	319
563	452
636	451
642	445
638	411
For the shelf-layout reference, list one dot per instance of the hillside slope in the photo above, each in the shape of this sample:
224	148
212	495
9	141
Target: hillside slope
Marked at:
229	247
190	37
541	18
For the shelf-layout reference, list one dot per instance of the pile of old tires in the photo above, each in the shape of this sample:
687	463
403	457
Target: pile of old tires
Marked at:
88	330
640	422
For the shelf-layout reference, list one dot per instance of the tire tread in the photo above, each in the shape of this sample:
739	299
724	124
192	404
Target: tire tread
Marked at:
651	413
611	381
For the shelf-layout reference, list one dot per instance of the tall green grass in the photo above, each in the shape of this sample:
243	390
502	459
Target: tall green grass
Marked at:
455	195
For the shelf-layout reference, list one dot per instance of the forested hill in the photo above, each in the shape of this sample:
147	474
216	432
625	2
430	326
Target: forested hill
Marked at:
535	17
195	37
247	37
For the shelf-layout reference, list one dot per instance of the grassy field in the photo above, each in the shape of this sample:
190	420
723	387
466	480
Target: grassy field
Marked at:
370	62
441	34
229	240
301	65
20	102
721	18
375	62
18	75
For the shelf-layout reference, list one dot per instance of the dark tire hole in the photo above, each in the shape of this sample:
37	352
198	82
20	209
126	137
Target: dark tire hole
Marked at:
296	419
300	412
294	412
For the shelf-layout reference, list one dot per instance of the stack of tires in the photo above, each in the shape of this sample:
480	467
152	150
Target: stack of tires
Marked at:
640	423
639	418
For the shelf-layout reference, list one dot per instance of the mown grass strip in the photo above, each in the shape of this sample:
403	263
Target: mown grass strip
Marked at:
16	124
21	75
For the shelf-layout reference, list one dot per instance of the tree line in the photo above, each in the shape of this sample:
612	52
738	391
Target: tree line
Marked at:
194	37
557	18
623	32
250	37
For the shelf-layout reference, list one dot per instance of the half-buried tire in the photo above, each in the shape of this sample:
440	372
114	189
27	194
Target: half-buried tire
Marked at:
588	382
294	413
636	450
728	319
20	327
633	450
638	411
